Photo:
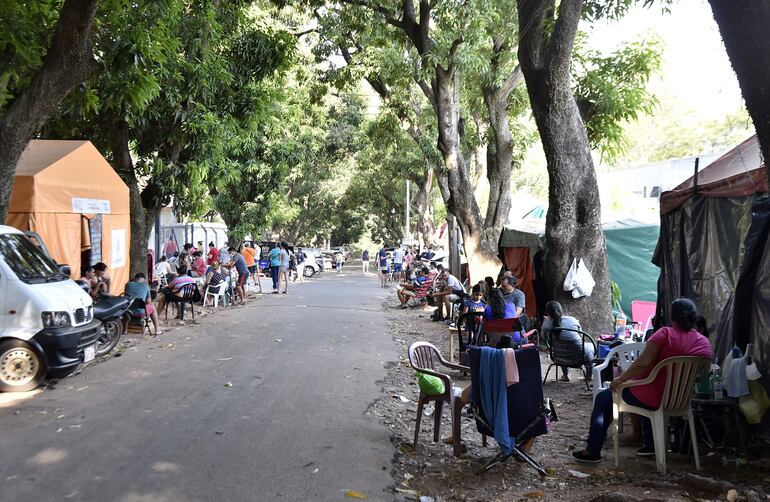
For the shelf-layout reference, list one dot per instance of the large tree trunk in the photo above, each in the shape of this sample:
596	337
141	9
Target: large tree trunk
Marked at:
573	222
480	245
743	26
69	61
425	225
142	219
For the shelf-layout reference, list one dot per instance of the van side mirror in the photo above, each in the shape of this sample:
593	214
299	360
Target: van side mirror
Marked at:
65	269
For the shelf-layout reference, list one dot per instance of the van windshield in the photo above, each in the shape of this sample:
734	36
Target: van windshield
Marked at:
27	261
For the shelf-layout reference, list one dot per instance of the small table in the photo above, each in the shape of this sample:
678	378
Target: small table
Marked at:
730	413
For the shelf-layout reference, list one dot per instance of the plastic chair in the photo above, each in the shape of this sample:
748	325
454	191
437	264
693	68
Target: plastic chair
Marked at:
680	374
626	354
424	357
574	361
215	295
187	293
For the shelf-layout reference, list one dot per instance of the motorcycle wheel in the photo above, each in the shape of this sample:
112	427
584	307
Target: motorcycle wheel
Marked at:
109	336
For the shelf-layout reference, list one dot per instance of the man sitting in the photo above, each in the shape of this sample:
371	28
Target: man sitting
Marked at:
162	268
408	290
139	289
512	295
175	288
448	294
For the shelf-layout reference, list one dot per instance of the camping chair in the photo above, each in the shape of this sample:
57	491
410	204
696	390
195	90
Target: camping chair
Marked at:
138	312
624	355
528	413
506	327
575	360
680	374
421	293
642	314
187	297
423	357
468	331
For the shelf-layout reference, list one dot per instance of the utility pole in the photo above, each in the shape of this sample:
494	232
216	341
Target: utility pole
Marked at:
407	234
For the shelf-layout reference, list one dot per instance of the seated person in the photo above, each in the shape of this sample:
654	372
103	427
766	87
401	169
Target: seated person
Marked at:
88	278
215	279
199	265
496	310
162	268
103	282
139	289
427	254
511	294
489	285
174	288
409	290
567	344
679	340
448	293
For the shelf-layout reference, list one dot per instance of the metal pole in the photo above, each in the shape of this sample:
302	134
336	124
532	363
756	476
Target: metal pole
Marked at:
157	237
407	235
695	177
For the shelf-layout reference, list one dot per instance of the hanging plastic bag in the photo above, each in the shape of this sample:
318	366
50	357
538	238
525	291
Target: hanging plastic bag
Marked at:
584	281
569	281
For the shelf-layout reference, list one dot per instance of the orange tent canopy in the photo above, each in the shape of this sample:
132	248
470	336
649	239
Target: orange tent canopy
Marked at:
60	183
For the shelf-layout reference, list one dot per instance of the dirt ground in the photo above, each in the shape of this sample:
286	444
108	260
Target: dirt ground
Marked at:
430	472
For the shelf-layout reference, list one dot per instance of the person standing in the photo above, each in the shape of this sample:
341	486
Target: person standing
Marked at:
398	263
275	264
170	248
365	261
283	273
224	254
340	260
383	260
299	256
239	262
213	254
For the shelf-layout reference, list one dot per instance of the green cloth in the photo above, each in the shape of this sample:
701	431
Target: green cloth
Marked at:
138	290
429	384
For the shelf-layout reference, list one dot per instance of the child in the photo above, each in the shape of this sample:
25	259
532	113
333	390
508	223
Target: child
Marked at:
476	302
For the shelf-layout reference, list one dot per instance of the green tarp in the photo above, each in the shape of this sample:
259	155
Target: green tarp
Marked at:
630	245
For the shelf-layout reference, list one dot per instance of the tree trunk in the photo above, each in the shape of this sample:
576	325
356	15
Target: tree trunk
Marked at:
743	26
480	247
142	220
69	61
573	223
425	225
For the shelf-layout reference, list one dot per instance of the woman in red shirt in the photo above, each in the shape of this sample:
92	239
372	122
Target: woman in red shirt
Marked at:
679	340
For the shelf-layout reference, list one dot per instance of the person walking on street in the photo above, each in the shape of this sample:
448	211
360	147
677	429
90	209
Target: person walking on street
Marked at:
383	260
365	261
398	264
275	264
340	260
283	273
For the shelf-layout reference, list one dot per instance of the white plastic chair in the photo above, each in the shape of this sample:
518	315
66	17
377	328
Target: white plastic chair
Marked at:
216	296
681	372
626	355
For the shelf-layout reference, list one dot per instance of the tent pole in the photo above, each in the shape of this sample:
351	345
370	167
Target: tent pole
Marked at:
695	177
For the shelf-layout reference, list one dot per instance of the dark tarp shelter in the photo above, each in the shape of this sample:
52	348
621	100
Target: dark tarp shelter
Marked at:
630	246
714	248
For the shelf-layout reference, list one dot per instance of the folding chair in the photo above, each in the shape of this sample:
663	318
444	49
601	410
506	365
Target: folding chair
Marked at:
575	360
511	327
528	413
421	293
187	293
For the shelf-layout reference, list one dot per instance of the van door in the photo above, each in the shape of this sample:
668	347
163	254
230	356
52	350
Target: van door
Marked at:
3	301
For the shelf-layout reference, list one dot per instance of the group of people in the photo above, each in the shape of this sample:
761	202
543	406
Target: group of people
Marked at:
286	265
396	263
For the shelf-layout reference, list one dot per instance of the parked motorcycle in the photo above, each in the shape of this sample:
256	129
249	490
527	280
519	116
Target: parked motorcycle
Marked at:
111	311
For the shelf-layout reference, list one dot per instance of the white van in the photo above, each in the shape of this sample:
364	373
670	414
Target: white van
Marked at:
46	320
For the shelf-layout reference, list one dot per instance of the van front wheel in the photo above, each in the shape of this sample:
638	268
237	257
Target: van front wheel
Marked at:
309	272
21	367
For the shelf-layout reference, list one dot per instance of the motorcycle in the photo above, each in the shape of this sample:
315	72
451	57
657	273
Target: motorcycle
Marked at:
111	311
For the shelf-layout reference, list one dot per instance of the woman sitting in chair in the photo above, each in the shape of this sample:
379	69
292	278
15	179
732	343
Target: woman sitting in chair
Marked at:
679	340
566	344
214	279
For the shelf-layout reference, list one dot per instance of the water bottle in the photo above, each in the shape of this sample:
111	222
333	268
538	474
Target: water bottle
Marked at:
620	320
719	387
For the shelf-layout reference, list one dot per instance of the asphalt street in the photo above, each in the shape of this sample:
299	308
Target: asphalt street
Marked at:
262	402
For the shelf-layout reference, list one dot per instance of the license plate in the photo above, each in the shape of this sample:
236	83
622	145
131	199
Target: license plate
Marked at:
89	353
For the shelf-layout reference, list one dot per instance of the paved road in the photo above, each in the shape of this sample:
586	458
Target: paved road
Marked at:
160	424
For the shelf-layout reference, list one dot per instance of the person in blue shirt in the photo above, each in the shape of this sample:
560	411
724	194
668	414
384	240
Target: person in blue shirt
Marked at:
498	308
275	265
409	290
476	302
383	259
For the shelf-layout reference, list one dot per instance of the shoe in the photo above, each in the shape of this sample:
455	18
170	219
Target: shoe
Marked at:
583	456
646	451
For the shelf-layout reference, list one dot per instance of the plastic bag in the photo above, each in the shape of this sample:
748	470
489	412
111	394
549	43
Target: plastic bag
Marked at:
584	281
569	281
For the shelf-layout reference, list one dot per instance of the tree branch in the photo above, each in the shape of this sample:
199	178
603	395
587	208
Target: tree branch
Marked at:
512	81
563	36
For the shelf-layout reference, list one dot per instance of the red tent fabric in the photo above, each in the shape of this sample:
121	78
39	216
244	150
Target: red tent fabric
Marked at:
518	261
741	171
